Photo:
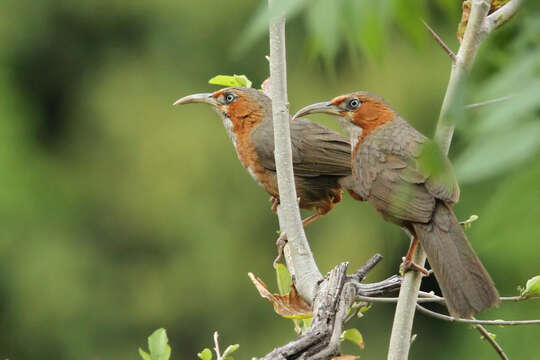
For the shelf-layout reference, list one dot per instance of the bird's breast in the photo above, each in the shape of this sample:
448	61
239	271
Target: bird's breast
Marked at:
229	127
245	150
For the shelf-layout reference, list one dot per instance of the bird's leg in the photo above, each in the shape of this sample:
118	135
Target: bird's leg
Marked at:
282	239
275	203
407	263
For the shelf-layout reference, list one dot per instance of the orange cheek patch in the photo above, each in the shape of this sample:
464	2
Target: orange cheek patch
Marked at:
370	115
240	108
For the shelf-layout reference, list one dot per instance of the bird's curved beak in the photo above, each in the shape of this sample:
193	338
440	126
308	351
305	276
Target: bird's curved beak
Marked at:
205	98
325	107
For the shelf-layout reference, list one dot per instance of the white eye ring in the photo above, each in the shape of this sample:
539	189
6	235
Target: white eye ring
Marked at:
353	104
229	98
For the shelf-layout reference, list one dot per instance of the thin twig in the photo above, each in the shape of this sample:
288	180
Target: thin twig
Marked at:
433	298
216	345
361	273
440	42
479	327
486	335
471	321
488	102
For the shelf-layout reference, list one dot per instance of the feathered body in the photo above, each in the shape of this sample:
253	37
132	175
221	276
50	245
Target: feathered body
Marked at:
390	171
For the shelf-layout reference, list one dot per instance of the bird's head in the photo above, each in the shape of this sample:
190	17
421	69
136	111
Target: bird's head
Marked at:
240	107
356	111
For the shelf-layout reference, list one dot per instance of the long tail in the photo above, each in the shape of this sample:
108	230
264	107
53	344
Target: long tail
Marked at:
465	283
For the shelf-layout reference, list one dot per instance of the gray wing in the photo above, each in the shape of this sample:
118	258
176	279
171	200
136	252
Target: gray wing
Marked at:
389	173
316	150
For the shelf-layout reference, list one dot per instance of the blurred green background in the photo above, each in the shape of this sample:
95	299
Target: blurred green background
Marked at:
120	214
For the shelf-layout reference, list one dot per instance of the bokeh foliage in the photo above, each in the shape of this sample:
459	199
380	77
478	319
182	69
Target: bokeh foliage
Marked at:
121	214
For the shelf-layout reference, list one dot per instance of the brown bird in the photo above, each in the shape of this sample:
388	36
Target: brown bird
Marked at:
392	171
321	156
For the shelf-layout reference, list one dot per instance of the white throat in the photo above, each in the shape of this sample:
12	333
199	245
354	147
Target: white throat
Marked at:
355	132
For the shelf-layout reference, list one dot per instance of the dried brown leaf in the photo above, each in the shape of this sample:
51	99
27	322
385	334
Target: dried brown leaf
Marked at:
346	357
290	306
466	11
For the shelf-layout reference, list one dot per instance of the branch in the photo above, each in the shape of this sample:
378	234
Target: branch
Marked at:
335	295
501	16
469	321
440	42
486	335
298	255
430	298
477	29
488	102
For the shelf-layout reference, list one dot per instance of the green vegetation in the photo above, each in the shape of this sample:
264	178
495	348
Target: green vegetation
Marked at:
121	214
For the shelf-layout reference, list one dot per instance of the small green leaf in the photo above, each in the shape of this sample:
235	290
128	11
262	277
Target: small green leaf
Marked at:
306	323
491	335
467	223
532	289
354	336
284	279
243	80
230	349
234	80
144	354
365	308
158	345
206	354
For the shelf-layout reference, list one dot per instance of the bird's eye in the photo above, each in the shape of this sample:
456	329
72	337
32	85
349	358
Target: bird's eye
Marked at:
353	104
229	98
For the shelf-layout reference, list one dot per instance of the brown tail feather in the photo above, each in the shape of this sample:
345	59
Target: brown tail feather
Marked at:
464	281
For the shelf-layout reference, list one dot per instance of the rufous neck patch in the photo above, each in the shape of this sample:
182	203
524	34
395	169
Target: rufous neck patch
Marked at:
370	115
245	114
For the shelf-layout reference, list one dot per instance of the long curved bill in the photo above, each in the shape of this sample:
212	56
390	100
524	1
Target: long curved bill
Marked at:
205	98
325	107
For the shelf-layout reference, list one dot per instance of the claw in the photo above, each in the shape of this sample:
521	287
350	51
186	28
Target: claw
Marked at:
408	265
275	203
280	244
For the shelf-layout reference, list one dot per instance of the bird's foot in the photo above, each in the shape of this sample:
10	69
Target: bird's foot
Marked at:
280	244
275	203
408	265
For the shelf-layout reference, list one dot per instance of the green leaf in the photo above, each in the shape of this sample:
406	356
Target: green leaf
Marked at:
368	21
258	25
144	354
363	309
354	336
284	279
206	354
493	154
468	223
407	15
306	323
230	349
158	345
322	22
234	80
532	289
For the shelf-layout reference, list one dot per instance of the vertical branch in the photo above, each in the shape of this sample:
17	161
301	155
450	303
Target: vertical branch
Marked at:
478	27
474	34
298	255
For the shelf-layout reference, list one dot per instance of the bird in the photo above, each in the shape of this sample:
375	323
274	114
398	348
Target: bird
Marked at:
321	156
393	169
